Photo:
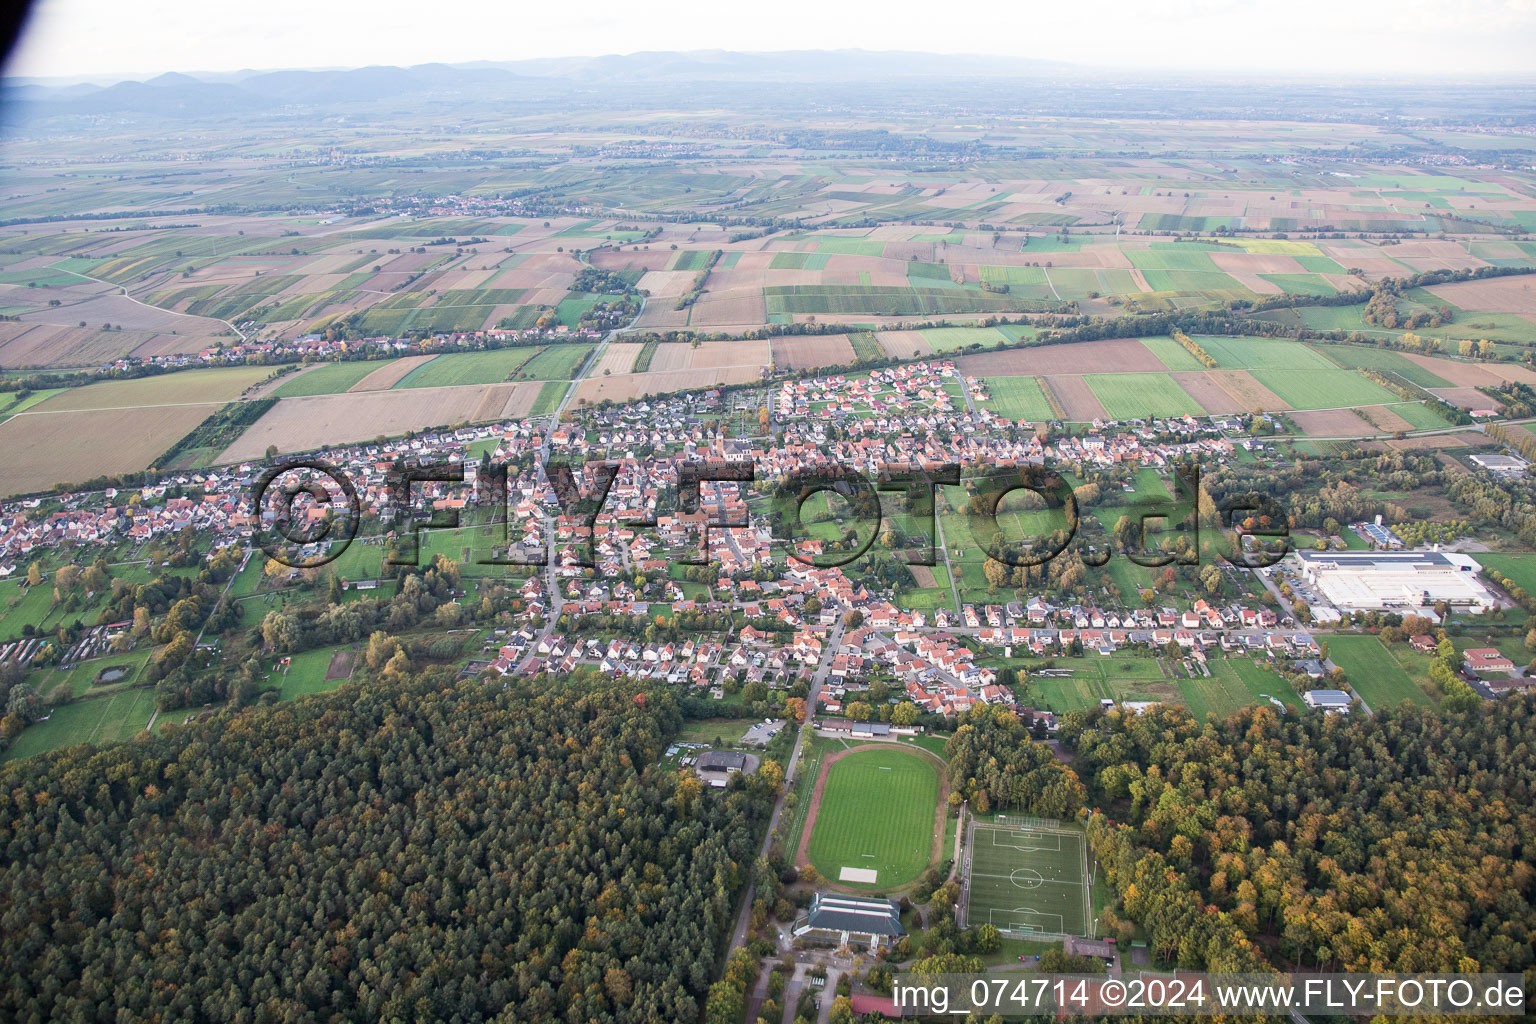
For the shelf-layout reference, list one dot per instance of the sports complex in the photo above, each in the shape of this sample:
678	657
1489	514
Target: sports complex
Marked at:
1027	876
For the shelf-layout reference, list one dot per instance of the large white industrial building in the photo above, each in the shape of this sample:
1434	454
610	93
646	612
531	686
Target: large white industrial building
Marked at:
1400	581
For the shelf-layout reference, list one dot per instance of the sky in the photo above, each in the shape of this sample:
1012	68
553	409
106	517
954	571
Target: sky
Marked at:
1334	38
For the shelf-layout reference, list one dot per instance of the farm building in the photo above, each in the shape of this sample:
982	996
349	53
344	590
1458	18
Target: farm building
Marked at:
1395	580
844	920
1327	700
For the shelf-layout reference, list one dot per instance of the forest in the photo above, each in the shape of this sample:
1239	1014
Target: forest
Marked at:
427	849
1400	841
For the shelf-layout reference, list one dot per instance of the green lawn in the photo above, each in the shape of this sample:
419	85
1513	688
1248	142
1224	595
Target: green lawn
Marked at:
330	379
877	812
1140	395
1375	673
728	731
306	674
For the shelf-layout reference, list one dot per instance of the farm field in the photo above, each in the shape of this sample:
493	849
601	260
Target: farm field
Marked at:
808	350
324	379
876	813
1139	395
301	424
111	428
554	362
487	367
1173	355
1262	353
1323	389
1018	398
1385	361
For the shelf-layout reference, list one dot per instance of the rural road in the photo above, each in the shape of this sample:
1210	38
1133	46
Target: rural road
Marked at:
828	652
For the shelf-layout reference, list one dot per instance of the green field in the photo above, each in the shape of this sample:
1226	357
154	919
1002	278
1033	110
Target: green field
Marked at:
1235	683
306	674
951	339
1018	398
1028	879
117	716
877	813
1262	353
1384	360
1180	257
1139	395
330	379
1420	415
488	367
1519	566
1172	355
1375	674
557	362
548	398
1324	389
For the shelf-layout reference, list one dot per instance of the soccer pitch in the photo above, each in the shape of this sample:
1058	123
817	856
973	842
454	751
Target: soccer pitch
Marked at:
1027	879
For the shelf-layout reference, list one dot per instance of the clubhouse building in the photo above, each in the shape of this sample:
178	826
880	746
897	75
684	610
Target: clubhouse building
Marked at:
850	920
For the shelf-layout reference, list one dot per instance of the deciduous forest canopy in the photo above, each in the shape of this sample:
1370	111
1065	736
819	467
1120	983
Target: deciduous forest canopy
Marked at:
1401	841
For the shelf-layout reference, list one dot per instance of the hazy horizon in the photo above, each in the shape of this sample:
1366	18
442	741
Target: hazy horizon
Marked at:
91	40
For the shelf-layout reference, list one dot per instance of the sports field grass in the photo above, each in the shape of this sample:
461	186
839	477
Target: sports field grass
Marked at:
1139	395
876	813
1324	389
1018	398
1374	673
330	379
465	368
1027	879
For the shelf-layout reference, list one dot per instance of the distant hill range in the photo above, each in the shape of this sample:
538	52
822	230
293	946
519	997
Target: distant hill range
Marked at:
177	94
781	82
